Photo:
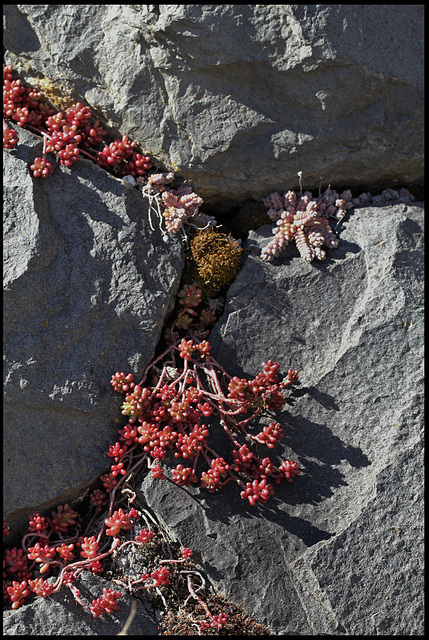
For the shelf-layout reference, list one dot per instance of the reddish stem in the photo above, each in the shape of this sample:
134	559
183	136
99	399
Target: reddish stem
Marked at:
197	597
83	563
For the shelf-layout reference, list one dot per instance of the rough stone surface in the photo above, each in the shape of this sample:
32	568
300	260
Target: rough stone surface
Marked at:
340	551
239	98
87	287
60	615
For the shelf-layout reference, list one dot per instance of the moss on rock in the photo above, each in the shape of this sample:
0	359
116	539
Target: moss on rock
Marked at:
216	257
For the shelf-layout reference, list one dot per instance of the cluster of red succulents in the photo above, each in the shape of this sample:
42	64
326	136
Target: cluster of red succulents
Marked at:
120	520
170	415
107	603
68	134
167	416
76	132
55	546
44	552
18	571
25	569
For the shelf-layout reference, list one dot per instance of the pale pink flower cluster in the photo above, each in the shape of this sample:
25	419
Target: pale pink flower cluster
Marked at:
157	181
304	219
403	195
180	205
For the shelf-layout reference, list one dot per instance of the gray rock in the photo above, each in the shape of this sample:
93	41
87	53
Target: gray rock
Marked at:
239	98
339	551
87	288
60	615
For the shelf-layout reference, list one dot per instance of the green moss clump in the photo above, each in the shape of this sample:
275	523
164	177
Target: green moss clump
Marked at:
216	258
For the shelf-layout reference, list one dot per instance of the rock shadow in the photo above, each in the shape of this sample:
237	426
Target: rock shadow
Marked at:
317	450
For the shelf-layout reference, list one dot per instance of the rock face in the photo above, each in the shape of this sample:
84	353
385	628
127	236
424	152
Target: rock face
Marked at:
87	287
239	98
339	551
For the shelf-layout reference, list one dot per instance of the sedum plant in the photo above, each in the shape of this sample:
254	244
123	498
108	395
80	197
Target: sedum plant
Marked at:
169	410
70	134
303	219
183	395
75	132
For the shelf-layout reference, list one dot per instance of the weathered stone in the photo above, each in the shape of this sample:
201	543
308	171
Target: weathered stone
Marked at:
60	615
239	98
340	551
87	287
